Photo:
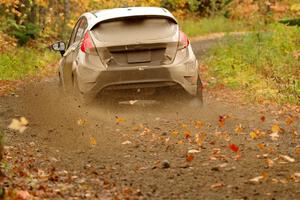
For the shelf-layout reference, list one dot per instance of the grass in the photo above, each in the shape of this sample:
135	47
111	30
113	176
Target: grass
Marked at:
265	64
20	62
197	27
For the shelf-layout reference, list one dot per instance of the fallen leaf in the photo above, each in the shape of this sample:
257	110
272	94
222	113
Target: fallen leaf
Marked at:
221	120
256	179
253	135
298	151
174	133
126	142
274	136
289	120
270	162
187	134
234	148
81	122
119	120
131	102
262	118
24	121
193	151
200	138
261	146
287	158
275	128
189	157
199	124
238	128
180	142
217	185
19	124
297	174
93	141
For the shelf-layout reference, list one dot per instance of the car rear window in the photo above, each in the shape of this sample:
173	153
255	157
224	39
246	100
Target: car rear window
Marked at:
135	29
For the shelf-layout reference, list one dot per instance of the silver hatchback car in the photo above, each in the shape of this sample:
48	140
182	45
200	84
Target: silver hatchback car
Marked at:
134	48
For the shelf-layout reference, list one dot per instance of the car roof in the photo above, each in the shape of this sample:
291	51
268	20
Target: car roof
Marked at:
116	13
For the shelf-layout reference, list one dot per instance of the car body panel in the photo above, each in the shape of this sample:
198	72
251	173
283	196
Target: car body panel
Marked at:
138	61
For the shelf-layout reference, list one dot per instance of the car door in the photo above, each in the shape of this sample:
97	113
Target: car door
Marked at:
71	53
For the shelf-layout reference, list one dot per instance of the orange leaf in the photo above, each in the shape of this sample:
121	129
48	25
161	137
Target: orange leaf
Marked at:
261	146
189	157
93	141
298	151
222	120
289	120
238	128
200	138
234	148
199	124
262	118
119	120
275	128
187	134
253	135
175	133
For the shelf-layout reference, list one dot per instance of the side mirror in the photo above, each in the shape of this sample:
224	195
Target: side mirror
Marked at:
59	46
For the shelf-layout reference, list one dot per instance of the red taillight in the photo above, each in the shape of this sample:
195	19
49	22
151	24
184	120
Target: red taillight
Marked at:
184	41
87	43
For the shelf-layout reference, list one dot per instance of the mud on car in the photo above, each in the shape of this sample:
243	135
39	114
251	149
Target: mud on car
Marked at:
135	48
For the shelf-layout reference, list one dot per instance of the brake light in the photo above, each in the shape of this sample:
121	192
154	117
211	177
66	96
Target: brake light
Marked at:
184	41
87	43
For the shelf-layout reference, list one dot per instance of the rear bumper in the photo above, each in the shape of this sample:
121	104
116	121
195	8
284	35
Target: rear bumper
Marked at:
184	74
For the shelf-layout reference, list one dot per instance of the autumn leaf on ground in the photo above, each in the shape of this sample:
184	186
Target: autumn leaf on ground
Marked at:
256	179
261	146
262	118
199	124
19	124
119	120
93	141
221	120
187	134
289	120
189	157
253	135
274	136
81	122
217	185
287	158
200	138
234	148
238	128
269	162
180	142
126	142
298	151
275	128
174	133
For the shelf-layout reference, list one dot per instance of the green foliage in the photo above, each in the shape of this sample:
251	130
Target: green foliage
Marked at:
22	32
195	27
264	63
20	62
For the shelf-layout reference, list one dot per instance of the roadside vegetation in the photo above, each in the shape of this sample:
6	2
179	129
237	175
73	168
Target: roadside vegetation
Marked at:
265	64
217	24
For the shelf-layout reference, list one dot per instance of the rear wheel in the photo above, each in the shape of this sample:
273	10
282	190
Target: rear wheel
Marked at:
78	96
197	100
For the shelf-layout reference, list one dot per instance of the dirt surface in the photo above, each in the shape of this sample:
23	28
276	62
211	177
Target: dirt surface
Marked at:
163	150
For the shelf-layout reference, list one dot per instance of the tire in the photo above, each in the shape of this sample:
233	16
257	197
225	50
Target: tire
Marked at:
78	96
196	100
